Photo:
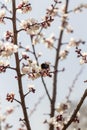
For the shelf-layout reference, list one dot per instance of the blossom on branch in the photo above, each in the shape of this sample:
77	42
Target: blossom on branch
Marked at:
31	26
63	116
75	43
3	65
49	41
24	6
2	15
81	54
38	38
83	59
62	107
34	71
31	88
10	97
31	69
7	49
46	21
63	54
80	8
53	11
9	36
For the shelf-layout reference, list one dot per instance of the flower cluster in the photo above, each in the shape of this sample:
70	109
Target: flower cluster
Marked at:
37	38
49	41
31	68
80	7
53	11
72	43
82	55
31	88
2	117
62	107
35	71
24	6
9	36
64	18
46	22
2	15
40	38
10	97
63	54
3	65
66	25
75	43
63	117
7	49
31	26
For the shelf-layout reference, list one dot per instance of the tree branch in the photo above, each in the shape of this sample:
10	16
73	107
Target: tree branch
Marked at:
75	111
18	68
54	93
44	84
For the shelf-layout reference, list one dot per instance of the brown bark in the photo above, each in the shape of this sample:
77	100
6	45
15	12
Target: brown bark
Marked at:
55	78
19	78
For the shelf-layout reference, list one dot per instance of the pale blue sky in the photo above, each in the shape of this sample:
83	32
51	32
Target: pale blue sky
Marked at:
8	82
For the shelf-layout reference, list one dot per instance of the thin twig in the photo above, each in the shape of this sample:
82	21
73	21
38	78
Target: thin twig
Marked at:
45	87
17	101
9	67
26	93
54	92
8	18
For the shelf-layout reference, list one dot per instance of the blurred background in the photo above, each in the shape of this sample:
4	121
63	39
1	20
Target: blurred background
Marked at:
66	79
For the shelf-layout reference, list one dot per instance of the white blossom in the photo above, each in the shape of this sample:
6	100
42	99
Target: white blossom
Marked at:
31	69
52	12
62	9
61	27
31	26
35	67
49	41
83	58
2	117
63	54
69	29
24	54
4	63
52	120
38	39
9	49
39	54
81	61
73	43
62	107
26	69
24	6
31	86
2	15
